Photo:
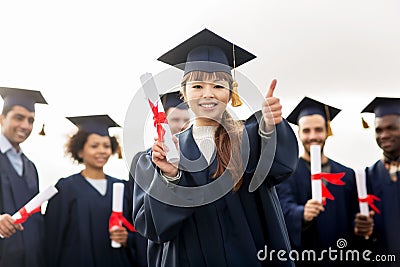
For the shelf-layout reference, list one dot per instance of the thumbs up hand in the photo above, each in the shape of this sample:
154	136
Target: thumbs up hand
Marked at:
271	108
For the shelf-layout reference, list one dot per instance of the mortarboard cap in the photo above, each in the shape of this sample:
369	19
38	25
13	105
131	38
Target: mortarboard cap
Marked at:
173	100
97	124
21	97
383	106
201	51
208	52
309	106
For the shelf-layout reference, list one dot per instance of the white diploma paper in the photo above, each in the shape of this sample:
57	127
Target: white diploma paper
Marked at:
316	186
362	191
37	200
117	205
151	93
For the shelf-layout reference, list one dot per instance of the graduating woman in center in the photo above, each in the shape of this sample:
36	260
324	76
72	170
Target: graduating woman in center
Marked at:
218	206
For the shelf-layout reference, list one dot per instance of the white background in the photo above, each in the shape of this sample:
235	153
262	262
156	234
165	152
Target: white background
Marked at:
86	58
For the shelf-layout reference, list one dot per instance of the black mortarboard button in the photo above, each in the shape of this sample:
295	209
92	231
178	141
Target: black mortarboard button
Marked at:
173	100
383	106
21	97
97	124
201	51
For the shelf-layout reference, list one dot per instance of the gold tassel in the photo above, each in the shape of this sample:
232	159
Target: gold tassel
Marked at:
236	102
42	132
329	129
328	121
119	152
364	123
235	95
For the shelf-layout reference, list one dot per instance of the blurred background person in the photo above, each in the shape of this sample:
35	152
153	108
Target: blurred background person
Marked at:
312	225
77	219
20	246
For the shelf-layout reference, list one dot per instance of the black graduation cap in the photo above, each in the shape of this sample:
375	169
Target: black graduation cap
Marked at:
21	97
309	106
204	49
97	124
173	100
382	106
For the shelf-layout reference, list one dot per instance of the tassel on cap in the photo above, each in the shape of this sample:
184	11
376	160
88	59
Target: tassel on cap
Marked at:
235	95
42	132
329	129
236	102
119	152
328	121
364	123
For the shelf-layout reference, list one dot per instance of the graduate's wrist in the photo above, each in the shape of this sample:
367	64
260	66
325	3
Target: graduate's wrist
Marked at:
171	174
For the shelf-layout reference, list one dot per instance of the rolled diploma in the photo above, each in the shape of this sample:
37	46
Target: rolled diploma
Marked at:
151	93
117	205
37	200
362	191
316	186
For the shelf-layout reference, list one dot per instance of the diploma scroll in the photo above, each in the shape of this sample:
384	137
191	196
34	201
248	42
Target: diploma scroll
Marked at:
365	200
116	218
362	191
117	206
316	184
160	122
33	205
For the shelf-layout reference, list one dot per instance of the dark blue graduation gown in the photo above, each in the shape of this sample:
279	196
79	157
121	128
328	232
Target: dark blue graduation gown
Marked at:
386	224
334	223
24	248
137	241
76	222
229	231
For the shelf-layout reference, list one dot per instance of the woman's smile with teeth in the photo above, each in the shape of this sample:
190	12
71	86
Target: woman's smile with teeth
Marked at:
208	105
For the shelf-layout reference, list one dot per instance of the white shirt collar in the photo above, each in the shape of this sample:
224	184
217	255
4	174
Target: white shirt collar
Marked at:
5	145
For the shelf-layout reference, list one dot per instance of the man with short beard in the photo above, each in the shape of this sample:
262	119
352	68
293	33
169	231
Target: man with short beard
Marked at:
19	246
383	177
311	224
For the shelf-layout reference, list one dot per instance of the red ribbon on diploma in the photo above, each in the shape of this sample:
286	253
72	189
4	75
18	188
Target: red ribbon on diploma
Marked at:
117	219
332	178
25	215
158	117
370	200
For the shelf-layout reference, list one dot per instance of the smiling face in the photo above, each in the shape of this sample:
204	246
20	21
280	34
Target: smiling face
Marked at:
207	95
96	151
387	133
312	131
17	125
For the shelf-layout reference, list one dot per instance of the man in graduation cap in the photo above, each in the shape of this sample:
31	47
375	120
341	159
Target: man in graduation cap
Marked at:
383	177
311	225
178	118
21	245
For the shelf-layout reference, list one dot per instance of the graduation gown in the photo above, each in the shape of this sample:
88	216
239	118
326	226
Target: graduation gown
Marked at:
24	248
330	225
387	224
229	231
76	222
136	241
